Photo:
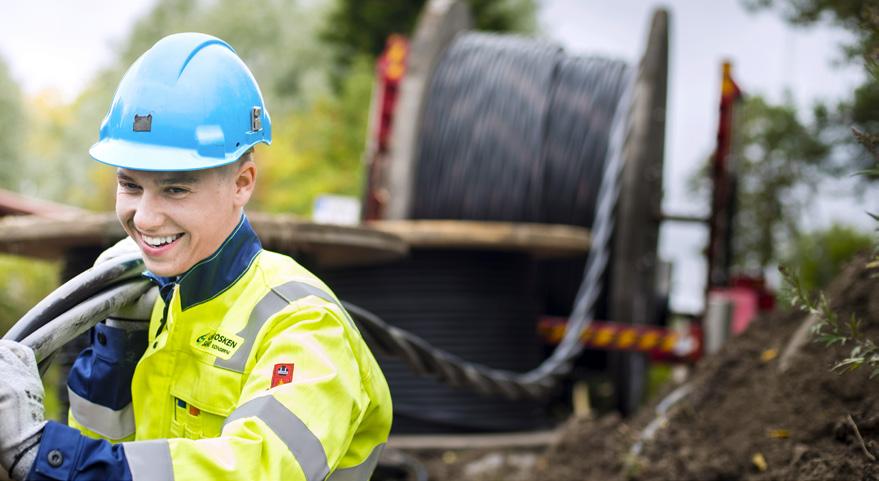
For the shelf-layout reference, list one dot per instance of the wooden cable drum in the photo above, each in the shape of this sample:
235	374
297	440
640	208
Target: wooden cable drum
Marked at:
540	240
500	128
311	243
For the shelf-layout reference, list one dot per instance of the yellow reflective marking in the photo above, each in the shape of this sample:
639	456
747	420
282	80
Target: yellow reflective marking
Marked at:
627	338
587	334
668	344
603	336
648	340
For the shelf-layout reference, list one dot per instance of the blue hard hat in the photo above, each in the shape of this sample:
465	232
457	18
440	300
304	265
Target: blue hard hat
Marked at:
188	103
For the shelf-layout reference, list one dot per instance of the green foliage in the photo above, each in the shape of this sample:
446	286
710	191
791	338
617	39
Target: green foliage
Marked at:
276	38
23	283
319	130
318	150
861	111
830	329
10	127
777	156
855	16
359	28
819	256
52	404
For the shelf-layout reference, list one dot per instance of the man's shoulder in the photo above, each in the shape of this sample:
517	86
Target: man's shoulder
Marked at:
277	269
272	258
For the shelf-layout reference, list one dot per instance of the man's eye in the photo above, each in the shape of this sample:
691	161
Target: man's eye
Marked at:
129	185
176	190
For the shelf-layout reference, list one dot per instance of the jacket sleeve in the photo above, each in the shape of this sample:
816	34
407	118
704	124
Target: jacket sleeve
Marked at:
297	430
99	383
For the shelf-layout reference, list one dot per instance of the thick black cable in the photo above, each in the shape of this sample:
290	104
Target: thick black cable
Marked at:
482	129
75	291
58	331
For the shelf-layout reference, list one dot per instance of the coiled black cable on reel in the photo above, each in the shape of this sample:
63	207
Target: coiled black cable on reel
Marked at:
515	130
534	146
483	128
512	130
586	95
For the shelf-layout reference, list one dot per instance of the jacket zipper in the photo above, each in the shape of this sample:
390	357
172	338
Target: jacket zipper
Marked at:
167	293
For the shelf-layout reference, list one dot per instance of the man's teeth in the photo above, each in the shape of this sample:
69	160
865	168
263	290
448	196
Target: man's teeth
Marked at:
158	241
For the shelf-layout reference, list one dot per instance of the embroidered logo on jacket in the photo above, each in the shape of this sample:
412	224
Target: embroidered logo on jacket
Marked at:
282	374
219	343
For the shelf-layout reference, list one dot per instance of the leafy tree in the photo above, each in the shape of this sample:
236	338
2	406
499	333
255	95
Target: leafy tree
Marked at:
829	328
861	111
356	28
318	150
778	157
11	123
274	37
24	283
819	256
319	130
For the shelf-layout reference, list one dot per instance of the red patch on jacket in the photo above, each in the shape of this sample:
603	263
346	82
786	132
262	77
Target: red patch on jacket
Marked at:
282	374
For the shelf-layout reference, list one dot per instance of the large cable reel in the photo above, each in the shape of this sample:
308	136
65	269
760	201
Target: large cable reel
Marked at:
442	48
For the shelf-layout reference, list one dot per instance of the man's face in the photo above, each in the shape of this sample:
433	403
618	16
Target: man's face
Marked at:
177	218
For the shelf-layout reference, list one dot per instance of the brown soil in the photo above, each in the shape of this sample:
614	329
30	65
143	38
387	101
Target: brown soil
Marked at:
743	419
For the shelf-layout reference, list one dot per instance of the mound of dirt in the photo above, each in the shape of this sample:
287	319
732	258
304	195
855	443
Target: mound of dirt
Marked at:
746	418
766	407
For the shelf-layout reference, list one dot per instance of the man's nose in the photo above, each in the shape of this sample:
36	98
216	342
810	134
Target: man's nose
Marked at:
149	215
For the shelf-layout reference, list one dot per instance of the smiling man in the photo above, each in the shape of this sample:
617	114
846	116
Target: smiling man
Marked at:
250	367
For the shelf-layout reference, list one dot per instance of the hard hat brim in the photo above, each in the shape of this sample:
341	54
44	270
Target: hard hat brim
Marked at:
139	156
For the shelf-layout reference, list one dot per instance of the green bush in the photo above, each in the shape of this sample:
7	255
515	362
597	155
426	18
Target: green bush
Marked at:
820	255
23	283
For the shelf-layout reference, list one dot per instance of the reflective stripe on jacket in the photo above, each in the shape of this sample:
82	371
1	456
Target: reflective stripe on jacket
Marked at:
252	370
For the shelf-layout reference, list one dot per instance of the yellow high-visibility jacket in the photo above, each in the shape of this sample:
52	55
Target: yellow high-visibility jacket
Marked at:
252	370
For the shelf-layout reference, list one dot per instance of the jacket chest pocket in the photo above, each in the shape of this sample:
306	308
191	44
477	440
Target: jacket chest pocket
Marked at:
203	396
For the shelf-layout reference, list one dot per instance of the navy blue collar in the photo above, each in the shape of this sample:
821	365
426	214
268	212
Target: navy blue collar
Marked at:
210	277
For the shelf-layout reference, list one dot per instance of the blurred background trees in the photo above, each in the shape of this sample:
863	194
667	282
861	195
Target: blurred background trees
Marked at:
861	111
11	123
783	154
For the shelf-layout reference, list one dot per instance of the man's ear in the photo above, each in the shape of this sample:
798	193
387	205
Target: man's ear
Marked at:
245	182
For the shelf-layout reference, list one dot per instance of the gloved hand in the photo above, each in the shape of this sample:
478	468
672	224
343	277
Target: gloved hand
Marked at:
21	408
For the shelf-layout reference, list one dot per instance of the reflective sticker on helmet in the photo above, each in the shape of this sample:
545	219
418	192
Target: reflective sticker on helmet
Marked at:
255	119
143	123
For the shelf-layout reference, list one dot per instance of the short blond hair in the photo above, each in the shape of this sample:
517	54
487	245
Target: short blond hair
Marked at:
229	169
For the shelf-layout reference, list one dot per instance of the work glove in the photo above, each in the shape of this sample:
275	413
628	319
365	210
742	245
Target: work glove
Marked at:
21	408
